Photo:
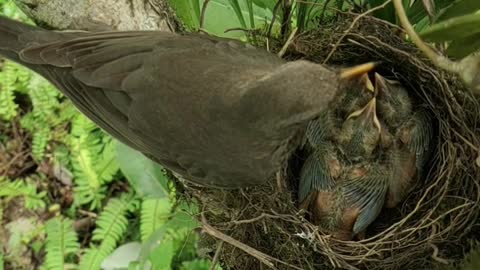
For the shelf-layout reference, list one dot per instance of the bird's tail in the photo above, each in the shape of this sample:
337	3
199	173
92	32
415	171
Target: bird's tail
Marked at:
15	36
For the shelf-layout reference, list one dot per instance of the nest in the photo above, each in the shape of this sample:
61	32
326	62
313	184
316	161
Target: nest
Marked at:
262	226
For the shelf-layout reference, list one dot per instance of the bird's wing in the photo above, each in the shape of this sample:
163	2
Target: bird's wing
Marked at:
367	193
219	112
315	174
421	137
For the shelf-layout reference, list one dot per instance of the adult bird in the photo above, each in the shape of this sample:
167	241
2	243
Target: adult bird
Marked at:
216	111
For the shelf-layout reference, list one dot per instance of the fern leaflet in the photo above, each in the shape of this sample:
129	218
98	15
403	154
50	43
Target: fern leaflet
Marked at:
61	241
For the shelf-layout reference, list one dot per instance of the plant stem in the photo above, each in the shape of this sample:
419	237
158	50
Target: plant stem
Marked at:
437	59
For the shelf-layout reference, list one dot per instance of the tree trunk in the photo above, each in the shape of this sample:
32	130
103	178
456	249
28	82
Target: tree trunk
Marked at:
98	15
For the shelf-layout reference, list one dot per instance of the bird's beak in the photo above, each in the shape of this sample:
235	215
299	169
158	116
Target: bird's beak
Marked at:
367	113
380	83
353	72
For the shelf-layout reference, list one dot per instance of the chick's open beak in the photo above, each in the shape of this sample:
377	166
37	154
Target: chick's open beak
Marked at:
380	83
368	113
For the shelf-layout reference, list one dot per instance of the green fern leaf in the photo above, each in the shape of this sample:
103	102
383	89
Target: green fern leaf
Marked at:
61	241
107	166
111	226
94	162
154	213
40	141
44	98
8	86
22	188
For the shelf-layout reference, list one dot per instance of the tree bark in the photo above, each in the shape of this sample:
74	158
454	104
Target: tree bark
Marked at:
98	15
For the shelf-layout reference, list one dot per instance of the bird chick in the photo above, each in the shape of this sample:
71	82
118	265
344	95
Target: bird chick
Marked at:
360	133
347	206
356	91
393	102
409	156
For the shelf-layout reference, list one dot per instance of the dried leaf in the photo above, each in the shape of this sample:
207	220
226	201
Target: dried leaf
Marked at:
429	7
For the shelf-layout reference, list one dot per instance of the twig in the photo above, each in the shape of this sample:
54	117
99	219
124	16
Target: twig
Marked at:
217	255
436	58
287	43
351	27
262	257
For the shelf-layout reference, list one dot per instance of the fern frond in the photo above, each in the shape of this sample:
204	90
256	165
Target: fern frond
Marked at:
111	226
40	141
154	213
61	242
44	98
107	165
94	162
13	78
22	188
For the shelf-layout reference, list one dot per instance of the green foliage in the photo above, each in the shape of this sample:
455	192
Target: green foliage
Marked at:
111	225
231	14
459	25
454	28
13	78
25	189
61	242
93	160
145	176
197	265
154	213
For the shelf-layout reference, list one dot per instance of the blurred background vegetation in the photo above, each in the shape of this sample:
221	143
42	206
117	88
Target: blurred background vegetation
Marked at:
71	197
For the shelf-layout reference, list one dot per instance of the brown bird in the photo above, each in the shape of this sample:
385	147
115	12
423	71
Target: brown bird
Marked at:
216	111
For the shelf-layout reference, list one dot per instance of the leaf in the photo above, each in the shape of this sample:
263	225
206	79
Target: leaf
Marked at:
188	11
459	8
123	256
164	261
61	241
154	214
146	177
463	47
452	29
223	11
417	11
250	13
265	4
429	7
198	264
238	11
181	221
387	13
